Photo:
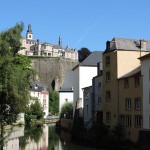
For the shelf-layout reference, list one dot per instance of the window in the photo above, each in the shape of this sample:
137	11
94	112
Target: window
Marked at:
122	119
107	60
107	76
86	96
44	46
128	104
137	81
149	74
128	120
44	96
108	117
108	96
149	121
99	84
138	121
126	83
29	36
44	101
99	100
137	103
87	109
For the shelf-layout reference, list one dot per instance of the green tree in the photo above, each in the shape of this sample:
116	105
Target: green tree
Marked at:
15	75
36	109
67	108
83	54
53	102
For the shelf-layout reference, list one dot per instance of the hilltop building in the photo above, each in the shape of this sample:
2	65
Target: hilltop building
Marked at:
37	48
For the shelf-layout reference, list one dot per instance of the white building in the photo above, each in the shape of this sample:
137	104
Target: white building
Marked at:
92	100
145	71
42	94
65	96
81	76
97	92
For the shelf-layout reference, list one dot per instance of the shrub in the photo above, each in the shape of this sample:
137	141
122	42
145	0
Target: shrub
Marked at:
67	108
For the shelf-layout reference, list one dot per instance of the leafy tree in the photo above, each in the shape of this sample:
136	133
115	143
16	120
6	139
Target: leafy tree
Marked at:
67	108
54	102
118	132
36	109
83	54
15	75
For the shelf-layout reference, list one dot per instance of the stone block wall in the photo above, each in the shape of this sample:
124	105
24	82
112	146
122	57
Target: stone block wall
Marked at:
52	71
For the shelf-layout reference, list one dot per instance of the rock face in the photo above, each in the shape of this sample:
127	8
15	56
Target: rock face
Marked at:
52	71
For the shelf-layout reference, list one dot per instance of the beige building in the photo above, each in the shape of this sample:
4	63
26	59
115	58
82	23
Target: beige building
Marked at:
131	103
120	59
27	42
35	47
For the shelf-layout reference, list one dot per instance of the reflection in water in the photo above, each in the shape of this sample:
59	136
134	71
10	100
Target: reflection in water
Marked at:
40	138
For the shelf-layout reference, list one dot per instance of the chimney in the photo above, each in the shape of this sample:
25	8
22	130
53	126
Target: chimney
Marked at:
99	68
143	44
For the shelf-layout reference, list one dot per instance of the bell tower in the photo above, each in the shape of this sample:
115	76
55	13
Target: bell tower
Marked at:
29	34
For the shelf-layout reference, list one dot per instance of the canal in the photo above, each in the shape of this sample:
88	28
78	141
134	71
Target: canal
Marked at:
39	138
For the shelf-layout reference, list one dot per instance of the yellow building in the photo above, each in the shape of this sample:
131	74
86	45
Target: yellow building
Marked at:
131	103
120	59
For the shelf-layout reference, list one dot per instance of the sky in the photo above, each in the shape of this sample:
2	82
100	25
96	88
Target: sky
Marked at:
81	23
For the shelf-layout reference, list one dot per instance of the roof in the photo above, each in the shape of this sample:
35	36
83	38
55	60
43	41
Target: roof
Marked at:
57	47
147	56
127	44
37	88
133	73
86	88
70	51
66	89
92	59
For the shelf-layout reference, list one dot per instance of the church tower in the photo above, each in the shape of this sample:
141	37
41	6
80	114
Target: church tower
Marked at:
29	34
60	41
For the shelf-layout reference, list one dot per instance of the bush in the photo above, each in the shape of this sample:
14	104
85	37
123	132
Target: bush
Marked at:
67	108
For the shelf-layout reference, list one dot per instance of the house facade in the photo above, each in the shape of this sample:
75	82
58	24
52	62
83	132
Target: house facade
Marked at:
81	76
42	94
97	92
65	96
87	107
119	59
131	104
145	71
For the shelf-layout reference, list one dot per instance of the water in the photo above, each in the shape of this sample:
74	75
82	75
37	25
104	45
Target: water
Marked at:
39	138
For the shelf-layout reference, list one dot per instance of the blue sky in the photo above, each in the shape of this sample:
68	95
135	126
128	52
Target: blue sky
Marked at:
81	23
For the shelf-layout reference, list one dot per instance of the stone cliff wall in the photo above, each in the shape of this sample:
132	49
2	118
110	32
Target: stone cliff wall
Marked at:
52	71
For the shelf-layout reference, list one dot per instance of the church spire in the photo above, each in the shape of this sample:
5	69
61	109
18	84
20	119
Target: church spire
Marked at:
60	41
29	34
29	28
